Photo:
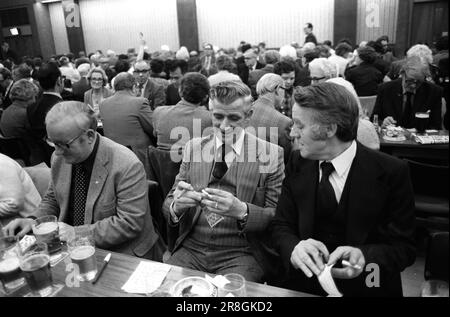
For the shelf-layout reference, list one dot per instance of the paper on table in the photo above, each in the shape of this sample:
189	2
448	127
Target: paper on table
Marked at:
327	282
147	277
219	280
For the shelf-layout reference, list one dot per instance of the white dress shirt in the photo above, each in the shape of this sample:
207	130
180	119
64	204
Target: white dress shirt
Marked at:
237	148
342	164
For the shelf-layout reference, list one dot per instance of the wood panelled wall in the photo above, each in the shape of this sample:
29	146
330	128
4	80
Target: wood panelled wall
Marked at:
226	23
376	18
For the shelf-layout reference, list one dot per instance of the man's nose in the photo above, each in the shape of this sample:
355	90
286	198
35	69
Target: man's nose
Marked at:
224	124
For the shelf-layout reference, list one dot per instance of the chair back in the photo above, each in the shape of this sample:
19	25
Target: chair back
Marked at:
436	261
367	104
429	179
162	168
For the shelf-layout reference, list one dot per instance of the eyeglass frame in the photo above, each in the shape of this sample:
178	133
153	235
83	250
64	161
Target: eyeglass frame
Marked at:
64	145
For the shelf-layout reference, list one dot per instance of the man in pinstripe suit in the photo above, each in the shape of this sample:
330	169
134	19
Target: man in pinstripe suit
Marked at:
222	228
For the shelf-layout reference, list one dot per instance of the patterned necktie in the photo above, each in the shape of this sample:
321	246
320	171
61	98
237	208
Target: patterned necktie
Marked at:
220	166
81	185
327	203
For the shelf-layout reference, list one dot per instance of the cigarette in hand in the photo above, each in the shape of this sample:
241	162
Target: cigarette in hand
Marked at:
347	263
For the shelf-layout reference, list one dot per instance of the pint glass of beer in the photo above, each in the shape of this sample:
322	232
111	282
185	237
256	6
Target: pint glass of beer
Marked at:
82	253
11	276
422	119
35	264
46	230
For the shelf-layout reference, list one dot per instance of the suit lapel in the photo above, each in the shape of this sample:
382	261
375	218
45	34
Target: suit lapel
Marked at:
63	186
364	199
304	188
399	99
247	170
98	178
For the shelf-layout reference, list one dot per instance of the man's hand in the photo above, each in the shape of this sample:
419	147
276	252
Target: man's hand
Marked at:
66	232
224	203
350	254
309	256
24	224
185	197
388	121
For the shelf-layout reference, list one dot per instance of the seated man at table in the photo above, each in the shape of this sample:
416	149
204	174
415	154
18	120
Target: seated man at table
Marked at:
399	100
342	201
222	229
97	182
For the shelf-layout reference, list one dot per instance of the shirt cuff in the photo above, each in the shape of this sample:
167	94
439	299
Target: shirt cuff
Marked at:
173	216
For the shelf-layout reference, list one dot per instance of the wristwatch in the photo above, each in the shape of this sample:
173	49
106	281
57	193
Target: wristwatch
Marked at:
243	221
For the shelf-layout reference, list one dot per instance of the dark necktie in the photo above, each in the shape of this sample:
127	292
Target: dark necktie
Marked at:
326	202
407	110
81	185
220	166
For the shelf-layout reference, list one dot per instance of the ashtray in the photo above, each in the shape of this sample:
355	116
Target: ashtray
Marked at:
193	286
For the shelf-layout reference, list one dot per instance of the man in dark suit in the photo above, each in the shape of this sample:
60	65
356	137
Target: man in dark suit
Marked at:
222	229
250	64
342	201
147	87
81	86
49	77
310	37
208	60
95	182
399	100
270	57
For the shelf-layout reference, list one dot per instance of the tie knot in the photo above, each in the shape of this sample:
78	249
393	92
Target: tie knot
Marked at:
327	169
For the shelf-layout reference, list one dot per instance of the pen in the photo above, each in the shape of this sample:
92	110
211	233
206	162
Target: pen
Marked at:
347	263
105	263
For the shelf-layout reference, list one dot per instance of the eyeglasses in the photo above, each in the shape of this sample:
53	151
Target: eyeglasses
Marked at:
64	145
142	71
96	79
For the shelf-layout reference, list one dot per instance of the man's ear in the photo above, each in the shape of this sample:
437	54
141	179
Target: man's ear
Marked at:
331	130
91	135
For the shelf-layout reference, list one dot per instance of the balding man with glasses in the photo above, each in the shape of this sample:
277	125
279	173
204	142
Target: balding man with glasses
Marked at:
95	182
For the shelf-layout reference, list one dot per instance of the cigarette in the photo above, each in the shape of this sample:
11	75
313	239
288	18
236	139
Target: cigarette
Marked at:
182	193
347	263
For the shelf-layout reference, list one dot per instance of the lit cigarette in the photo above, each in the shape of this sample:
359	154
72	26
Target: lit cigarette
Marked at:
347	263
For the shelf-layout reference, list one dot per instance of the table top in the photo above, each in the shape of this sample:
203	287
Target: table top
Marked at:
410	141
120	268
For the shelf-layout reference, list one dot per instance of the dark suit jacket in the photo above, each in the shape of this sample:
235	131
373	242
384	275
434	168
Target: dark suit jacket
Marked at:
380	217
36	113
365	78
390	103
311	38
243	71
79	88
256	75
172	95
117	206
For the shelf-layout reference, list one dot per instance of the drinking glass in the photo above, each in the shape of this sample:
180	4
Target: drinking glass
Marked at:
35	264
422	121
82	253
235	286
11	276
46	230
434	288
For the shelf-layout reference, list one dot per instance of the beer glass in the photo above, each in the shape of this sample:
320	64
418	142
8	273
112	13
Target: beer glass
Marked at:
35	264
46	230
82	253
235	286
10	274
422	121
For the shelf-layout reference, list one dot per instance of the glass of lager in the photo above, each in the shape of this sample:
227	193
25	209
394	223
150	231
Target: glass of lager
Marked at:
35	264
11	276
46	230
82	253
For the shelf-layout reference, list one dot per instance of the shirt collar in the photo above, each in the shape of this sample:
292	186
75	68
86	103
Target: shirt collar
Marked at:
237	146
343	161
52	93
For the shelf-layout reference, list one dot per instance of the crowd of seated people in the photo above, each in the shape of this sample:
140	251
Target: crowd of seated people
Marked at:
280	171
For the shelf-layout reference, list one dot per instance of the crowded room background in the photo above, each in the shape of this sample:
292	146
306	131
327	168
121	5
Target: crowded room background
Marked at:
300	147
